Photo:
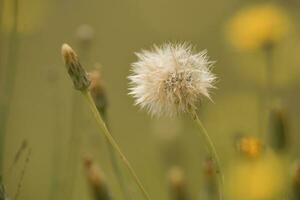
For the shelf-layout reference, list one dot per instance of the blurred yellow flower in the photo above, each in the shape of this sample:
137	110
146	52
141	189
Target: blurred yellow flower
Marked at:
259	179
250	146
257	27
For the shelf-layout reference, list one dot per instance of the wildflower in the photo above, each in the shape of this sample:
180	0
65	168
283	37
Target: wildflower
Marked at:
250	146
257	27
259	179
77	73
171	79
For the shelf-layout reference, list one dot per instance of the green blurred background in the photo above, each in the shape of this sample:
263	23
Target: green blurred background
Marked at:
42	104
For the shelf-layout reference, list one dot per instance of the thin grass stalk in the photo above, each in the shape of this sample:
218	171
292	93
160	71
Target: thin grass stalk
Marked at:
260	112
115	165
265	95
210	187
98	93
112	142
269	52
19	186
212	149
9	81
3	193
18	155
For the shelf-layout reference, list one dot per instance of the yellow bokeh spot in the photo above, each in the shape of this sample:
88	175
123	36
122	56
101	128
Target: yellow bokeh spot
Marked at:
30	15
250	146
257	26
260	179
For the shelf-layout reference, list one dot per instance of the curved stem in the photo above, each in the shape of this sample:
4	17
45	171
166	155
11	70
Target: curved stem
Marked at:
116	167
212	150
113	143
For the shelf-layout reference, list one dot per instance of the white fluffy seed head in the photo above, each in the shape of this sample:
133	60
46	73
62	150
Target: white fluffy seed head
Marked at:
171	79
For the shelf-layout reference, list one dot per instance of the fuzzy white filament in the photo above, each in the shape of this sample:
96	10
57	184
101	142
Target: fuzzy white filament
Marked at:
171	79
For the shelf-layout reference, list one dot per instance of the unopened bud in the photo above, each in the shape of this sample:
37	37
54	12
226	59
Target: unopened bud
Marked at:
97	90
76	71
96	180
177	182
278	129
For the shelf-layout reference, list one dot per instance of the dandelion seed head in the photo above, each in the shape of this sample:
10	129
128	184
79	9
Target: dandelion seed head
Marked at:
171	79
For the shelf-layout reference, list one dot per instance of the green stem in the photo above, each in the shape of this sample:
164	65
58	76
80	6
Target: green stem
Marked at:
113	143
268	92
212	150
9	79
269	74
116	167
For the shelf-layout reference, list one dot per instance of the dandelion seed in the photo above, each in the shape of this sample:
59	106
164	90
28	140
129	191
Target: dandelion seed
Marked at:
171	79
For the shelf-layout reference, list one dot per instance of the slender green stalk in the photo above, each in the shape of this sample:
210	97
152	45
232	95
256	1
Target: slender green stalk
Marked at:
268	92
9	80
116	167
212	150
269	50
112	141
